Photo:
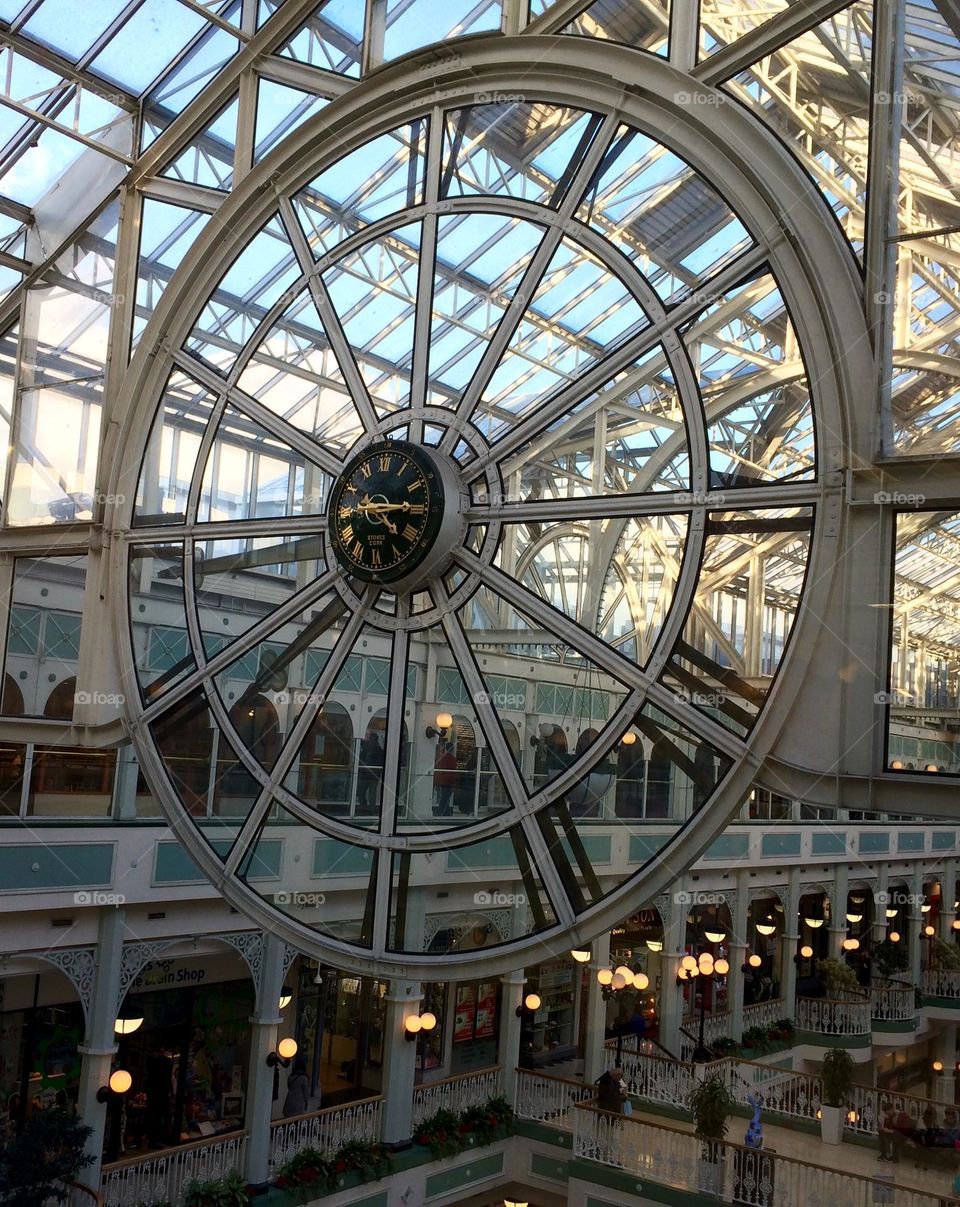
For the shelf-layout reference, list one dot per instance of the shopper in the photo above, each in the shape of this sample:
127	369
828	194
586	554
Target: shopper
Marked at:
612	1090
298	1090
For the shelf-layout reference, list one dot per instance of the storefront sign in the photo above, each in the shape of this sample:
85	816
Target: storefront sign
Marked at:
182	973
465	1014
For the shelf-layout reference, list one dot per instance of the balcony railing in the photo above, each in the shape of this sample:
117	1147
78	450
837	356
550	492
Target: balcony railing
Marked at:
834	1016
79	1195
675	1158
456	1093
325	1129
546	1099
658	1079
940	982
764	1014
163	1176
893	1003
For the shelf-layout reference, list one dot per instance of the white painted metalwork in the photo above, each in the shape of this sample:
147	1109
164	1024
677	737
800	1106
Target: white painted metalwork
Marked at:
325	1130
456	1093
547	1099
163	1177
830	1016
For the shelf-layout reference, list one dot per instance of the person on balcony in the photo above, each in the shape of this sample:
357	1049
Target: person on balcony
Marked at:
612	1091
298	1090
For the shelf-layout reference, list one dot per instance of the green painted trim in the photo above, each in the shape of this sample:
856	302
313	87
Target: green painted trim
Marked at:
547	1135
894	1026
874	842
373	1200
334	858
943	840
172	864
642	849
780	844
476	1170
636	1185
728	846
33	867
816	1040
493	853
944	1003
546	1167
828	844
910	841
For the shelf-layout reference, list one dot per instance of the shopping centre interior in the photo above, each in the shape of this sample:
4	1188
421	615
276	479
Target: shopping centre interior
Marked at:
480	551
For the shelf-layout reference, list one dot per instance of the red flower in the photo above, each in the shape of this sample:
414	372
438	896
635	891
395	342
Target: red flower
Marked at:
341	1166
441	1137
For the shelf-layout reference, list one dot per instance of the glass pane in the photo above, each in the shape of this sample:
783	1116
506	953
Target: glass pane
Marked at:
643	26
417	23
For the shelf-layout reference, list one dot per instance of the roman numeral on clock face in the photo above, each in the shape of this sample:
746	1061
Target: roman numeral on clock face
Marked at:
357	551
385	462
417	509
365	469
375	557
346	534
409	533
418	485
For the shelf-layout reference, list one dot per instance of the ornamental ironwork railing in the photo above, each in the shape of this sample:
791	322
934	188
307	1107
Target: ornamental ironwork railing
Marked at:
163	1176
457	1093
834	1016
326	1129
547	1099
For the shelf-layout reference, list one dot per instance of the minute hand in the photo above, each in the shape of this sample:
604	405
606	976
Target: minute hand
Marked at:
380	507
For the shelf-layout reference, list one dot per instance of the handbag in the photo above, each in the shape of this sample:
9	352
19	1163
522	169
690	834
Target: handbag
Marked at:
627	1107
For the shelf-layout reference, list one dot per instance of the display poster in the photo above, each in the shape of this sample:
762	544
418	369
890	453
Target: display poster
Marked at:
464	1018
486	1009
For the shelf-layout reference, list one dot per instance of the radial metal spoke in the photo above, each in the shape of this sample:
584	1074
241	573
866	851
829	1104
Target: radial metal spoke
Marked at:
298	732
241	645
567	631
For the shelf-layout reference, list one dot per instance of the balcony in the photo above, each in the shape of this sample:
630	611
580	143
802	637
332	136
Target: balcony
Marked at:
893	1011
835	1022
940	992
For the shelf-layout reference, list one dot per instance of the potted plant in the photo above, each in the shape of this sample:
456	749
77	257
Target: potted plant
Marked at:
837	1080
710	1104
228	1191
838	977
38	1165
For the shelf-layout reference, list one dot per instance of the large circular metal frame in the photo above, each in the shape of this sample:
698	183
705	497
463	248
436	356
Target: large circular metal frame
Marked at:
795	234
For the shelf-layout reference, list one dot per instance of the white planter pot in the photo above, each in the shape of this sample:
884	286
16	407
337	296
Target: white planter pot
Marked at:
831	1124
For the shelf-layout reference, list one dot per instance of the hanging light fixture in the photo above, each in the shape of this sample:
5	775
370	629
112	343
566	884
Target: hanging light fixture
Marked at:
286	997
892	913
654	945
854	918
766	928
715	936
925	908
580	956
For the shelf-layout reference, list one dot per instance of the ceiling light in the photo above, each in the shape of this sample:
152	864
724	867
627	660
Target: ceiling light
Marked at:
806	951
580	956
715	936
654	945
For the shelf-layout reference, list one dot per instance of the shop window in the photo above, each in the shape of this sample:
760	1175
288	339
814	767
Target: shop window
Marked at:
11	703
476	1012
326	760
71	782
12	764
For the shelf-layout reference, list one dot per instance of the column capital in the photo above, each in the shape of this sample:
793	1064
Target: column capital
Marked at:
517	977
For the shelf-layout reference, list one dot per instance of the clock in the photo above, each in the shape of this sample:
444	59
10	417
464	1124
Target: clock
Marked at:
386	512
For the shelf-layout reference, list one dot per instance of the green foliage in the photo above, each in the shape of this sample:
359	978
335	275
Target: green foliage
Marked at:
837	976
311	1172
755	1038
837	1077
230	1191
711	1103
726	1045
890	958
36	1166
447	1133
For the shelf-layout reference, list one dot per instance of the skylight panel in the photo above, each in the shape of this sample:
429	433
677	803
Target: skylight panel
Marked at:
38	168
414	23
56	23
147	43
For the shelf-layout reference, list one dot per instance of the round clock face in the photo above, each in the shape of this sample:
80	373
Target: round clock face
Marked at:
385	511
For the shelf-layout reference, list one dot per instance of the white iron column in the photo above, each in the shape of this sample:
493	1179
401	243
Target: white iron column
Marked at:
838	910
881	902
673	911
788	943
948	895
100	1041
264	1024
738	955
508	1042
594	1057
399	1063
